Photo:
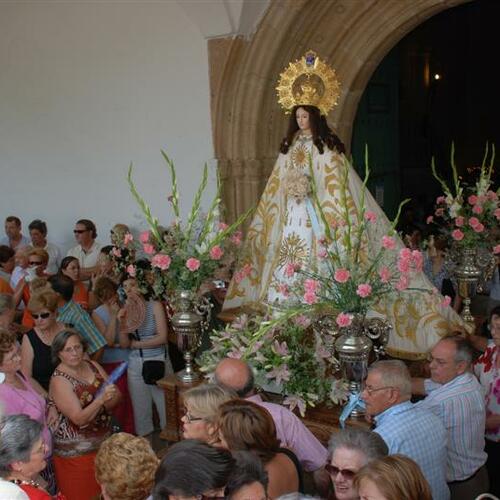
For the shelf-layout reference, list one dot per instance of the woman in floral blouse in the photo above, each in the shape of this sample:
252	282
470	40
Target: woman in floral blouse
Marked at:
487	370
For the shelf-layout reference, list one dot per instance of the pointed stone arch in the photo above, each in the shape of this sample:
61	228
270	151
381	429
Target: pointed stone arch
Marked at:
248	125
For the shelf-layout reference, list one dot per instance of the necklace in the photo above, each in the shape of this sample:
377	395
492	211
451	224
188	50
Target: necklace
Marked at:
29	482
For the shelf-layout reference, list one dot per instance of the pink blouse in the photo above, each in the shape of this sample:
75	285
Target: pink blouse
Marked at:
28	402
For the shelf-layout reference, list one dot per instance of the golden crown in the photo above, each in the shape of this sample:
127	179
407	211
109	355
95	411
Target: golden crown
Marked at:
308	81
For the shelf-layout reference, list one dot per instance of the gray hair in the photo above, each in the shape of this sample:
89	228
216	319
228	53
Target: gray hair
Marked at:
6	302
464	351
367	442
393	373
18	435
59	343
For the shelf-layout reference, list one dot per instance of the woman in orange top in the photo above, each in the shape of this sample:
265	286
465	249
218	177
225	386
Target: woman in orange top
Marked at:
71	267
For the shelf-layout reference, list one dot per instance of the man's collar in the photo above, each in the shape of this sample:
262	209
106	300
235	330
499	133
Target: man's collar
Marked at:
393	410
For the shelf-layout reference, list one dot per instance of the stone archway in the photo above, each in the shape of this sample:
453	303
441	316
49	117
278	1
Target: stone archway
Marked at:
248	124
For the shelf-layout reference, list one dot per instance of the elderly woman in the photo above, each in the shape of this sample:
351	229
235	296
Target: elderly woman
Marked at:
348	451
243	425
36	360
392	478
83	399
125	467
22	455
70	267
201	405
18	396
106	319
193	469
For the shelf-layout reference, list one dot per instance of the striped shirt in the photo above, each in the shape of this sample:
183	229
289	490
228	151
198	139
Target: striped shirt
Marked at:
421	436
146	331
72	314
460	405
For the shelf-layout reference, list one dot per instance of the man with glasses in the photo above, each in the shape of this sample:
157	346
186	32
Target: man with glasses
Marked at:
406	429
455	395
87	250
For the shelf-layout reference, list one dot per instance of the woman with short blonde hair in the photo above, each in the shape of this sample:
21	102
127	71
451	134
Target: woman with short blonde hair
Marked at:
202	406
125	467
392	478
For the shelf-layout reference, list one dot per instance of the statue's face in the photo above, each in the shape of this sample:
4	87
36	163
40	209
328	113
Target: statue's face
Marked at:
302	117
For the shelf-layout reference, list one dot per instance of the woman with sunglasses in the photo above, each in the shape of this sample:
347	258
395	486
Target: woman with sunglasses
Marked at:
19	396
36	359
70	267
349	450
84	400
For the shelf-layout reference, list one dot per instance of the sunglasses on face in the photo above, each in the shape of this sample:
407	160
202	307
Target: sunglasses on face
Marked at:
41	315
334	471
80	231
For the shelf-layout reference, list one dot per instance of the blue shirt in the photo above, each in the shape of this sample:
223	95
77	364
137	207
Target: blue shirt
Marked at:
460	405
72	314
421	436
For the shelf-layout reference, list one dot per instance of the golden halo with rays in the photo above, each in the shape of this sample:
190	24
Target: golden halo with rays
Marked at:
308	81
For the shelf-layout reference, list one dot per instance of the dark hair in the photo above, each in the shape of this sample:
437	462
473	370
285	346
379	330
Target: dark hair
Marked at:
13	218
60	341
248	469
39	225
89	225
247	426
6	253
190	468
66	262
107	249
494	312
63	285
321	132
104	289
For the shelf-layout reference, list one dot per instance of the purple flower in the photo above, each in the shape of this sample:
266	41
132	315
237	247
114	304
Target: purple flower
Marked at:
279	373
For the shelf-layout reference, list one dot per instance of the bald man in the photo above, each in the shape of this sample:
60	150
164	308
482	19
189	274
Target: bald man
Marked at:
237	375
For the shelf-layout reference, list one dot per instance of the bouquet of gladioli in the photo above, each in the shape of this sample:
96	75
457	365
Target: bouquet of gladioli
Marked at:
468	214
183	257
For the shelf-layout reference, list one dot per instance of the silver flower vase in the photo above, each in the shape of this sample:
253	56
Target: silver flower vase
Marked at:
186	323
468	274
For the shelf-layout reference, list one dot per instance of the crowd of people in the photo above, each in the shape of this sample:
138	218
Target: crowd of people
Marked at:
68	429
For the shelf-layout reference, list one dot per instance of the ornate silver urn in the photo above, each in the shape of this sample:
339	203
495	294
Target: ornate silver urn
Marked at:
191	314
353	347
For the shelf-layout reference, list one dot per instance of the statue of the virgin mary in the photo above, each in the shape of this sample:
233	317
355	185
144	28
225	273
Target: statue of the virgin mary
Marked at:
282	231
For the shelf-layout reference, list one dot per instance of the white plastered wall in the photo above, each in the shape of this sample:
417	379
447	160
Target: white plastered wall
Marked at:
88	87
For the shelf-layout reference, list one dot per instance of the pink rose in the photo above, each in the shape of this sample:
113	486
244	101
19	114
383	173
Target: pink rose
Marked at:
343	320
116	252
144	237
311	285
131	271
385	274
341	275
128	238
388	242
222	226
148	248
289	269
446	301
459	221
236	238
193	264
283	289
370	216
405	254
472	199
491	195
322	253
479	228
440	199
310	298
457	235
404	265
216	252
161	261
477	209
403	283
439	212
496	249
364	290
496	213
473	221
430	219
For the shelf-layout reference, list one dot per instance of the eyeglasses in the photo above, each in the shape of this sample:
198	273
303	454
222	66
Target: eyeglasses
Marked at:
76	348
35	263
190	418
80	231
334	471
371	390
40	315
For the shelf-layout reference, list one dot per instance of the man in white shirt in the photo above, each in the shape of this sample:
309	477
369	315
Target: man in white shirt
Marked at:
38	235
14	238
87	250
